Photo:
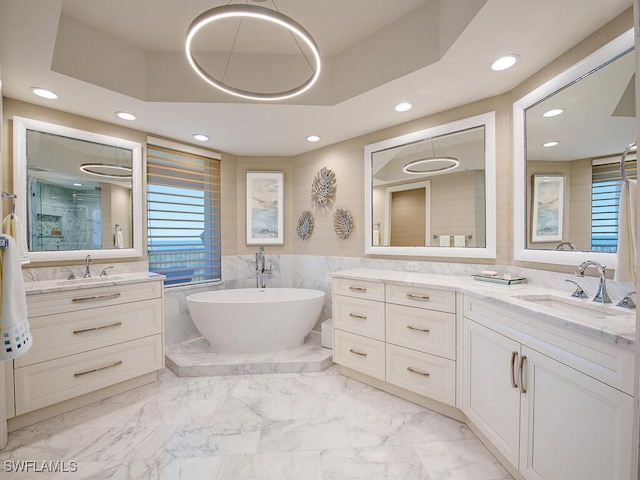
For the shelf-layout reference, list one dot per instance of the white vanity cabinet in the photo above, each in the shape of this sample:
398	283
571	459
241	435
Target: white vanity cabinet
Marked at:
88	339
403	335
555	404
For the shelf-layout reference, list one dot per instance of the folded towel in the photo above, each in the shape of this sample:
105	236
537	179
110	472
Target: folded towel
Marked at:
119	239
14	326
627	224
12	226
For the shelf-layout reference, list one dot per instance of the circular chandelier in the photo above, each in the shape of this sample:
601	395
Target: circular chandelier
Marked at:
106	170
435	165
260	13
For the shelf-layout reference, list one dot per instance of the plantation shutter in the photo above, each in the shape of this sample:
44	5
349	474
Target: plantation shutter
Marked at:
183	216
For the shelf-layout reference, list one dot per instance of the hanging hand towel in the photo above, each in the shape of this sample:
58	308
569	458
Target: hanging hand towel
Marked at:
444	240
12	226
14	326
119	239
459	240
627	220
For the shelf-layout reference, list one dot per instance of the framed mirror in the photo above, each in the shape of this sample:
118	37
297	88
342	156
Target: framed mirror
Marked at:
78	192
569	135
432	192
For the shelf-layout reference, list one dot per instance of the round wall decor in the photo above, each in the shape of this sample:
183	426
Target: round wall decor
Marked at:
305	225
342	223
323	187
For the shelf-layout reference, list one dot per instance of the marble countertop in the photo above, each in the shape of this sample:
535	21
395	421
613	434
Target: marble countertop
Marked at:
61	285
616	324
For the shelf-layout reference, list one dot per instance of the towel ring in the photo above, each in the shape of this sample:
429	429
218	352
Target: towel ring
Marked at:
630	147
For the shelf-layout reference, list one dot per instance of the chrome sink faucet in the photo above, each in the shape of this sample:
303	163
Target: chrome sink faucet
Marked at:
601	296
87	262
261	271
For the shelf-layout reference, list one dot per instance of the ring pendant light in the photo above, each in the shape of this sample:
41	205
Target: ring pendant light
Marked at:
260	13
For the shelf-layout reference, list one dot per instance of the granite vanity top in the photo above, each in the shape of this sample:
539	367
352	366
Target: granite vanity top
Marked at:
619	328
61	285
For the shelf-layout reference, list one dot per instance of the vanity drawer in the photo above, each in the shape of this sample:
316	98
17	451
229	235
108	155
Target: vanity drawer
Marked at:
359	353
425	330
359	288
46	383
65	334
364	317
89	298
422	297
425	374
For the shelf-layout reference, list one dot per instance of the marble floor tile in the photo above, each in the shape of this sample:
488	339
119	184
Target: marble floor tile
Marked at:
311	425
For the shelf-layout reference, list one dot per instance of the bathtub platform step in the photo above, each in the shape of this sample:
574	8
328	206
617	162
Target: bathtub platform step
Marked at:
193	358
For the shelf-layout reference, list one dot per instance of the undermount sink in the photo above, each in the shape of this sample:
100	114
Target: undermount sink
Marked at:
84	281
584	308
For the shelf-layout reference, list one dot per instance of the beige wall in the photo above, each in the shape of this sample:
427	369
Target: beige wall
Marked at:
345	159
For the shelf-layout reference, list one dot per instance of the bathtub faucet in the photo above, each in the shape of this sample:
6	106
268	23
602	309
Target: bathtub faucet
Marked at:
261	270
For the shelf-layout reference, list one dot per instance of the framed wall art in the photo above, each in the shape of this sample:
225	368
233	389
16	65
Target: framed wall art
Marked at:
547	208
265	208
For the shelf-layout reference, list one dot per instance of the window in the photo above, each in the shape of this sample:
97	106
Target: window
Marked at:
605	201
183	215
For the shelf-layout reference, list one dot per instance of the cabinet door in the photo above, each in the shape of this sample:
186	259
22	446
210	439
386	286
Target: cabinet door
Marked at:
489	399
573	427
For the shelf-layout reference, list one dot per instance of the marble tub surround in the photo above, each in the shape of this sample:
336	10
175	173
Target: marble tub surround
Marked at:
619	329
195	358
316	426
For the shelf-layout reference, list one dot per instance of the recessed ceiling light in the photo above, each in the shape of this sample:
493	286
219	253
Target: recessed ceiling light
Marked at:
505	62
550	144
201	137
403	107
77	184
313	138
126	115
552	113
41	92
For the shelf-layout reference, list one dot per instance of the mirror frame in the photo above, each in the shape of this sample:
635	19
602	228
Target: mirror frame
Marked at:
20	127
486	120
564	79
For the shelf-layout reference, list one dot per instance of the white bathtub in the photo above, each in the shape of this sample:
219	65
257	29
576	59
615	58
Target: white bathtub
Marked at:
252	320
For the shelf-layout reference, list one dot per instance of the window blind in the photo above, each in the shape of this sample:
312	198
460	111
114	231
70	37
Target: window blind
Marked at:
183	216
605	202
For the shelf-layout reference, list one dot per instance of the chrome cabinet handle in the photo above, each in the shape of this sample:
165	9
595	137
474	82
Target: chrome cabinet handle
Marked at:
362	354
512	369
95	298
520	370
413	370
75	332
357	289
423	330
79	374
358	316
415	296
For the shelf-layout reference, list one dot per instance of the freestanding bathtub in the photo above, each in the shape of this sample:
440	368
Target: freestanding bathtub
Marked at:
255	320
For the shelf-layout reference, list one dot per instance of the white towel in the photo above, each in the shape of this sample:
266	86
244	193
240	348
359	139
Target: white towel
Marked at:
445	240
14	326
459	240
376	237
12	226
119	239
627	225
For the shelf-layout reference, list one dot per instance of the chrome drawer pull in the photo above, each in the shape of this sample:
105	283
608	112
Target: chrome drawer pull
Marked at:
415	296
95	298
512	369
360	317
75	332
520	368
413	370
357	289
119	362
424	330
362	354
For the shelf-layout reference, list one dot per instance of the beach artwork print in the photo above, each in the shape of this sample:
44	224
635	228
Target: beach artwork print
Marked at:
265	204
548	205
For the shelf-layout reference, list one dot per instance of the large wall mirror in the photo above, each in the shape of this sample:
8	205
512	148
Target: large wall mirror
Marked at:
432	192
78	193
569	136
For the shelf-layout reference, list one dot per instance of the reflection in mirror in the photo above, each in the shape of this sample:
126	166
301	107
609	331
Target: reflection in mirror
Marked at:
79	192
570	134
427	193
